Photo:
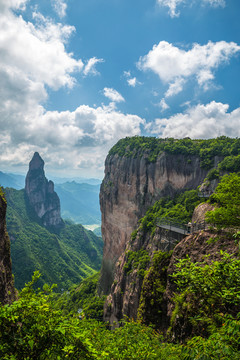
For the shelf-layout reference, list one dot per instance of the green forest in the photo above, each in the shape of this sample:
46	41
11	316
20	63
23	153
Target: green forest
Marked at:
152	147
65	258
205	320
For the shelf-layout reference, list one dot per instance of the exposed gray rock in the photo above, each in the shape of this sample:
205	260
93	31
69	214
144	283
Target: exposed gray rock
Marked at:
7	291
41	195
130	186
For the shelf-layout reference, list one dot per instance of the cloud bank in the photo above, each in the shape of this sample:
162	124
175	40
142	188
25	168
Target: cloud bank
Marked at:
33	60
199	122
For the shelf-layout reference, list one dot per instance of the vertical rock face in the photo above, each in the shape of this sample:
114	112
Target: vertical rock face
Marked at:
7	292
131	185
41	195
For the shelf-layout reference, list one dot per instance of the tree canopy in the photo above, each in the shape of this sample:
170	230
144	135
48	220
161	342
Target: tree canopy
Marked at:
227	201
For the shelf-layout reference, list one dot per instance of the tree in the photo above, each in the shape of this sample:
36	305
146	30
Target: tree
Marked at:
227	201
31	329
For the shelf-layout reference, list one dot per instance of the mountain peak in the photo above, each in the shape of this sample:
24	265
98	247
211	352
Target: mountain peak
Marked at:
41	195
36	162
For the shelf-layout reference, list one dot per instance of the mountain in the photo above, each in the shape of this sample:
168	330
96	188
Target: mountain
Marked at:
141	173
80	202
64	253
79	197
41	195
12	180
79	180
64	258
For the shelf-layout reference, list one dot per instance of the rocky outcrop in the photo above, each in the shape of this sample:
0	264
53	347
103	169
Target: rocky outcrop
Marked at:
125	294
7	291
148	295
41	195
131	185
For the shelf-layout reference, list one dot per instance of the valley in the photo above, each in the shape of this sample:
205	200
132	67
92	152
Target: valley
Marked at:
169	294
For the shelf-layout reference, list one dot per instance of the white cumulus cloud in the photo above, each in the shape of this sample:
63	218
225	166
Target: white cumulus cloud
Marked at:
113	95
175	66
33	58
199	122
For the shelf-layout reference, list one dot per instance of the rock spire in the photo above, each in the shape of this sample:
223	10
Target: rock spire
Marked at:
41	195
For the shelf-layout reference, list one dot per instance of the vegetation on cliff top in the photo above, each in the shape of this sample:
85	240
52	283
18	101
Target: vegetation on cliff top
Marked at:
152	147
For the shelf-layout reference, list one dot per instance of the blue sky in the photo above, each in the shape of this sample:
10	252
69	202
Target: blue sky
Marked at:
76	76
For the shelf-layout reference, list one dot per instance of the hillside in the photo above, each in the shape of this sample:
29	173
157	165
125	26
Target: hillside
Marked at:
183	289
63	258
79	198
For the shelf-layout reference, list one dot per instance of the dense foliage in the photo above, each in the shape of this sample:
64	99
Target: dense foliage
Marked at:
151	147
152	306
82	299
179	208
136	260
226	198
64	259
207	294
32	329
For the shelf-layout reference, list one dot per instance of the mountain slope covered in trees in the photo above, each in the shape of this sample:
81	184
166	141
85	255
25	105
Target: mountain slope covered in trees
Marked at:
63	258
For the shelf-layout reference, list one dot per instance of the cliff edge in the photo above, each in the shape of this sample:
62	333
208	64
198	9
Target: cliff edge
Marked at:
7	291
130	186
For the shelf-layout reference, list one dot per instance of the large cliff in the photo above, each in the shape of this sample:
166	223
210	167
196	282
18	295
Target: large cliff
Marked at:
143	286
41	195
130	186
139	173
7	291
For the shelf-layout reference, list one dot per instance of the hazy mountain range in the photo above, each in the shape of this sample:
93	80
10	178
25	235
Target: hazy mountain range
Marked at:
79	197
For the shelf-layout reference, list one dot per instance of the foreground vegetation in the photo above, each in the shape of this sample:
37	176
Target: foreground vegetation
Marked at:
32	327
205	318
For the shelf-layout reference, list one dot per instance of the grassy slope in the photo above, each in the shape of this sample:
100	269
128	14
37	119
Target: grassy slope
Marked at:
64	259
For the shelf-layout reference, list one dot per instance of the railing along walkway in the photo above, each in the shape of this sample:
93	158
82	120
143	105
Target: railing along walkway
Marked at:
180	227
205	194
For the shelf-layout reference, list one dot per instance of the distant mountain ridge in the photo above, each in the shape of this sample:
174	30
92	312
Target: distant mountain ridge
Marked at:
79	197
80	202
12	180
64	253
65	258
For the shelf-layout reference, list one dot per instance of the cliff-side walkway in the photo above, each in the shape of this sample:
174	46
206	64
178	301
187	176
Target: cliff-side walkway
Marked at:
181	228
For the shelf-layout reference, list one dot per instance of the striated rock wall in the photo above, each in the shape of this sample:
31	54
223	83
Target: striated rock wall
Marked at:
7	291
41	195
132	184
125	294
149	298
